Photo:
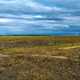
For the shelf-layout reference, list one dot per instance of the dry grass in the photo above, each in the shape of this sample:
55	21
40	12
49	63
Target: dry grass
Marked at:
39	58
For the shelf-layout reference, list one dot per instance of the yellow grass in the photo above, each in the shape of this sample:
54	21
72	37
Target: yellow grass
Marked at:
39	58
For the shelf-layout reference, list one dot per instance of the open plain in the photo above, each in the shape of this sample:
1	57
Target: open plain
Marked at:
39	58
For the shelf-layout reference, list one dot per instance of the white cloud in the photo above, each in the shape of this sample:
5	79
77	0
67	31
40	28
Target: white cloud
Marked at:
4	20
10	20
27	4
37	6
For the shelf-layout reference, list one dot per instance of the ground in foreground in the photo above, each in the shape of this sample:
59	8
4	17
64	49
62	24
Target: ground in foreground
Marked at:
39	58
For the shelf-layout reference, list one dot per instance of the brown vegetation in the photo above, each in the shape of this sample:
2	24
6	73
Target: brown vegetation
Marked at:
39	58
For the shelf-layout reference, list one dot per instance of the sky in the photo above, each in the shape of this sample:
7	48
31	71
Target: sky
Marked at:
40	17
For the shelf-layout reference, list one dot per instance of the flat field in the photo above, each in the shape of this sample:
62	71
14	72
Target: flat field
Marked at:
39	58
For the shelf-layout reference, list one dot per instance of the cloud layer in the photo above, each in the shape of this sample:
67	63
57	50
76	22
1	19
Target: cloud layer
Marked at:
51	17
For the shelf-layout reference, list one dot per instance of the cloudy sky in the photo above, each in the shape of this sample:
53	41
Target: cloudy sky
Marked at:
40	17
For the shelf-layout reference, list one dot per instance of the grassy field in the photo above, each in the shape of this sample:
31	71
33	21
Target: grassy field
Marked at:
39	58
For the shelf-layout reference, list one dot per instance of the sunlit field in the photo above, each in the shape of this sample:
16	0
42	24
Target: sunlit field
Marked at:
39	58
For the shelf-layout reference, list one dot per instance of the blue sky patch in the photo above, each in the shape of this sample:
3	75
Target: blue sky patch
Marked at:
40	17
